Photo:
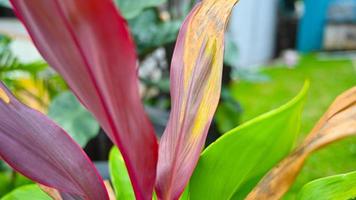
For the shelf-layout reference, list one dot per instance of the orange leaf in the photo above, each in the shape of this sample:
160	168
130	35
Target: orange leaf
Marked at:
337	123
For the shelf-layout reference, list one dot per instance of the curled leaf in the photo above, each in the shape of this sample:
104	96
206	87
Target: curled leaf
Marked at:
40	150
337	123
196	72
89	44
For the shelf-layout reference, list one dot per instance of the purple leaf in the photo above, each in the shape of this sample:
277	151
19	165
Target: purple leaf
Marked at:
37	148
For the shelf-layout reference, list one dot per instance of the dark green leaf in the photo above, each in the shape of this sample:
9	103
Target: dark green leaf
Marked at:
131	8
232	166
150	32
73	117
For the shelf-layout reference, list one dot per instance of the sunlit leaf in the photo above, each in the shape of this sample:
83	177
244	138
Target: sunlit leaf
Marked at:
341	186
230	167
28	192
73	118
196	72
89	44
337	123
37	148
119	176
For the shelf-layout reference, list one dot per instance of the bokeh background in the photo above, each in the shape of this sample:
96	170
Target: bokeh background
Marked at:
272	47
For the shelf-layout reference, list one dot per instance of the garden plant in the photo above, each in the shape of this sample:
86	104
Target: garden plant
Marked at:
98	61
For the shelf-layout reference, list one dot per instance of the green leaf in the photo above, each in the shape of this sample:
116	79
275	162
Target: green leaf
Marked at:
132	8
119	176
334	187
186	194
230	167
28	192
150	32
3	166
9	180
73	117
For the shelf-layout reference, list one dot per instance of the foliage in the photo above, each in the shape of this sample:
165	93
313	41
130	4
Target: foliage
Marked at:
76	120
236	161
337	123
341	186
132	8
28	192
10	180
119	176
34	83
111	95
157	32
98	60
259	97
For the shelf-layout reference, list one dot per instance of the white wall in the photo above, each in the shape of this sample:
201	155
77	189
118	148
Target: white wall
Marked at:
252	26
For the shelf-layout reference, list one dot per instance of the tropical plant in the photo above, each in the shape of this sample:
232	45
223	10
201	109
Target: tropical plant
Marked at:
98	61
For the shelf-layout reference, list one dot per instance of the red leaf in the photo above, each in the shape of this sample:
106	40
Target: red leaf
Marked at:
88	43
37	148
196	72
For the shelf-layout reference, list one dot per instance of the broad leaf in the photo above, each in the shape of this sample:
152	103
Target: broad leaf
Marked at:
231	166
132	8
196	72
156	32
337	123
88	43
28	192
73	118
119	176
37	148
341	186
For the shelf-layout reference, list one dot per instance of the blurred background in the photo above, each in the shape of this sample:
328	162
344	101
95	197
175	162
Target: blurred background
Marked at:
272	47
